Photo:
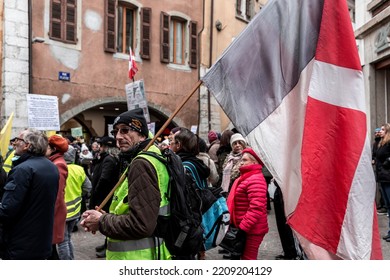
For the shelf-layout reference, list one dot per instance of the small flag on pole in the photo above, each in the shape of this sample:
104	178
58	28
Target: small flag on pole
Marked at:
132	65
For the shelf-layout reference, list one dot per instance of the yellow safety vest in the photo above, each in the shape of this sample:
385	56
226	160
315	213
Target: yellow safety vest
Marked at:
73	191
145	248
8	162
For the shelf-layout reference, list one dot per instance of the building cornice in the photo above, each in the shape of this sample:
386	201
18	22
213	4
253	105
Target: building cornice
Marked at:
372	24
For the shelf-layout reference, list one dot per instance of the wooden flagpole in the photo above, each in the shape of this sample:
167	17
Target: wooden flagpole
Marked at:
123	177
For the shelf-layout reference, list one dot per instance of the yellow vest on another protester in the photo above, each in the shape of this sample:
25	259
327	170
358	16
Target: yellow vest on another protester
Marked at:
7	165
73	190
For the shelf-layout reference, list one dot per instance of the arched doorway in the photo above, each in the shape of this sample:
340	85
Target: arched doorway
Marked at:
97	120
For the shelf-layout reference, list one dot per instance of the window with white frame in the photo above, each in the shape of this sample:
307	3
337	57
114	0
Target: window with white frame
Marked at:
126	27
178	38
120	27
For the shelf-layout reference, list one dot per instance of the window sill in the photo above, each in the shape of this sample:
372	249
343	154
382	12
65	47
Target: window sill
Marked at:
179	67
242	18
125	56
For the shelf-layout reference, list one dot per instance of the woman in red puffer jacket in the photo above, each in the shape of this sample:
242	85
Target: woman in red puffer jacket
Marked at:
247	203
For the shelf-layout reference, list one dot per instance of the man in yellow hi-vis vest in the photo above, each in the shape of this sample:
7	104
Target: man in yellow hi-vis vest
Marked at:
138	201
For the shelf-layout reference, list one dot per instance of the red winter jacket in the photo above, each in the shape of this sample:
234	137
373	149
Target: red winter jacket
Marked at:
60	206
247	200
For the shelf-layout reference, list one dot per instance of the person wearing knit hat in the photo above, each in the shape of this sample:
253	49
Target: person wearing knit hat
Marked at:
237	137
58	145
231	165
214	146
212	136
135	119
253	154
247	203
138	199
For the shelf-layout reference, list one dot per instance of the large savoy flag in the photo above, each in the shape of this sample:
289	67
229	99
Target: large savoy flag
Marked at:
292	84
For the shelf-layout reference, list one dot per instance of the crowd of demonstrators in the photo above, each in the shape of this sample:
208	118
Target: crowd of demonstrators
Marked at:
27	205
247	203
382	163
129	227
58	145
104	177
77	186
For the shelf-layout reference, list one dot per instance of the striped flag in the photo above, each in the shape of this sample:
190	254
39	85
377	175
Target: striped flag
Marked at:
132	65
292	84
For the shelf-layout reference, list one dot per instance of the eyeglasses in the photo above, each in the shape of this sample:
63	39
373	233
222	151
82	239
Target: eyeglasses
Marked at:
19	139
123	130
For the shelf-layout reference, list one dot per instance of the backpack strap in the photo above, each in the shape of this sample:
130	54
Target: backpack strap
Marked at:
191	167
155	155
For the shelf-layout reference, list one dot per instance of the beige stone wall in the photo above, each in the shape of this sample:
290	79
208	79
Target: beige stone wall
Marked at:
231	27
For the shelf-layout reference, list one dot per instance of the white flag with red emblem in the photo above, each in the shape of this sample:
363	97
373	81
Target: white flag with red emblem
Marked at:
132	65
292	83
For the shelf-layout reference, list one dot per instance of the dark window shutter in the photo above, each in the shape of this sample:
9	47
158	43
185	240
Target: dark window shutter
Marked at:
238	7
146	17
164	38
248	9
55	20
193	45
109	26
70	22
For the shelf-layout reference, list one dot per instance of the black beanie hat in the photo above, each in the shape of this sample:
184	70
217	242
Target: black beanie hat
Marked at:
135	119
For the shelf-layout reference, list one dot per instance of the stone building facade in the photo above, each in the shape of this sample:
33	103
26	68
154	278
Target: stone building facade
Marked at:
373	35
174	43
89	42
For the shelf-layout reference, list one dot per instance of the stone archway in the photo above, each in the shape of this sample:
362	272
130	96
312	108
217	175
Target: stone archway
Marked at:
88	105
160	113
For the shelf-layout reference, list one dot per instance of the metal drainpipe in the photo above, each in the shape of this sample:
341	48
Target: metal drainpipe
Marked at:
210	60
29	46
198	50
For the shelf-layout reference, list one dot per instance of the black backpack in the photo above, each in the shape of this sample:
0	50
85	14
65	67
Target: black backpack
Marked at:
181	230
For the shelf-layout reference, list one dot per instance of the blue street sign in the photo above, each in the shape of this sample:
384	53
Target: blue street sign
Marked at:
64	76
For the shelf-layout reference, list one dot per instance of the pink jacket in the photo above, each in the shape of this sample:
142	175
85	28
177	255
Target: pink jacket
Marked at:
60	207
247	201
